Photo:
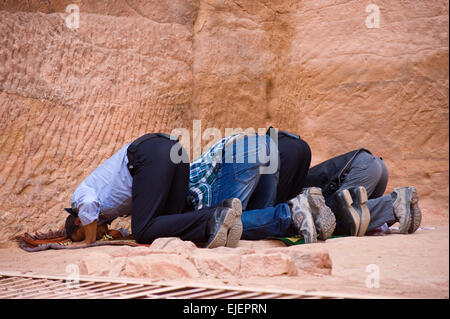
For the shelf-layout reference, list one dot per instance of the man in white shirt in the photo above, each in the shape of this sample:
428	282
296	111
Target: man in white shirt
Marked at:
142	180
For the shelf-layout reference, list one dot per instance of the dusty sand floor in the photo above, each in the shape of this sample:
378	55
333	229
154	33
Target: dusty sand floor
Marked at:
414	265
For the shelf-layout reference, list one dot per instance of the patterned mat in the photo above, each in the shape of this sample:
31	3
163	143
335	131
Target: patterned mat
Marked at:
59	240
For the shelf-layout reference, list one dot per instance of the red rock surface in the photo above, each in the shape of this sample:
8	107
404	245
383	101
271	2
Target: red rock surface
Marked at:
70	98
172	258
414	265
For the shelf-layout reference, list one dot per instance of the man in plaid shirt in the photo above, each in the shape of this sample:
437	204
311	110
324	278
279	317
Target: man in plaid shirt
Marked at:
203	173
269	208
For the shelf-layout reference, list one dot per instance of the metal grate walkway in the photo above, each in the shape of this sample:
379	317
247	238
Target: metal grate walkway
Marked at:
24	286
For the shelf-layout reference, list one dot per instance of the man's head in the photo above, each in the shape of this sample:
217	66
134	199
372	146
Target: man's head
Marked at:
75	230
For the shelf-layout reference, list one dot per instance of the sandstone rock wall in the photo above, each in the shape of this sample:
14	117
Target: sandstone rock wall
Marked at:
69	98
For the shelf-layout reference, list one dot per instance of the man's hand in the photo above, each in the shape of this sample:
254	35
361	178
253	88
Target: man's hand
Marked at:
90	233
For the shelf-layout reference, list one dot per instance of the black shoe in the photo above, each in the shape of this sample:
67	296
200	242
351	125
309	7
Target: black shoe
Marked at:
235	231
234	203
346	213
359	197
219	225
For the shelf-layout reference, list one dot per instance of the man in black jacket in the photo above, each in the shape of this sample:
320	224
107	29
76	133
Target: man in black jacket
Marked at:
353	185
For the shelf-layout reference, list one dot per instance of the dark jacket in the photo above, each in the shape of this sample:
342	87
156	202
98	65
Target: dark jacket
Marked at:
330	174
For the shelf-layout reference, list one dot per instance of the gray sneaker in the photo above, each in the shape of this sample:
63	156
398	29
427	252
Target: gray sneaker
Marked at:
324	219
406	209
302	219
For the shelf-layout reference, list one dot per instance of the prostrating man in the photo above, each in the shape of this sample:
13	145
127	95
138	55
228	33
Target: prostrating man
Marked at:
343	181
268	187
353	185
143	180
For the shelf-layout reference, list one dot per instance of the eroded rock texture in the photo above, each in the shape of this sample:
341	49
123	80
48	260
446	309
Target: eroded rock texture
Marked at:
69	98
171	258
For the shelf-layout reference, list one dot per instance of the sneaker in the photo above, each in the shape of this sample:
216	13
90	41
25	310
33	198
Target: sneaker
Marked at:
359	197
302	219
235	231
406	209
324	219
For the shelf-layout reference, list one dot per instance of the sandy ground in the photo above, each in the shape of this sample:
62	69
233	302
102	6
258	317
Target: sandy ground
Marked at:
409	266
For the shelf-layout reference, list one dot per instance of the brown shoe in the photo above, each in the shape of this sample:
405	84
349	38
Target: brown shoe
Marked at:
406	209
359	197
416	215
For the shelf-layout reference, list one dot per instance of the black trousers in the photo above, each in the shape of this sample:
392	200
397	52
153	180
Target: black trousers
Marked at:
159	192
295	159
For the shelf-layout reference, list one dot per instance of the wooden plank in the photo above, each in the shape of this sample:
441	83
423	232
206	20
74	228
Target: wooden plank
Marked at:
227	294
269	296
9	279
184	292
79	291
64	287
205	294
35	292
156	292
246	295
14	282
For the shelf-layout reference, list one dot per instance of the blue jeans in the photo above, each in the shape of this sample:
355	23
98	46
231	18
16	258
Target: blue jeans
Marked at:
248	173
267	222
240	176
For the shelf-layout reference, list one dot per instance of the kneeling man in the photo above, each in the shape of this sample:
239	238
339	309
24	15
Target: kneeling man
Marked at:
143	181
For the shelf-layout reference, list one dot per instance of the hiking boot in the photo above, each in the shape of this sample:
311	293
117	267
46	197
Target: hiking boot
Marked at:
302	219
346	213
324	219
406	209
359	197
235	231
219	225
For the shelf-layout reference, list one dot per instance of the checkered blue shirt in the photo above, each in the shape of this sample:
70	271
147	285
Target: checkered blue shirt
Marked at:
204	173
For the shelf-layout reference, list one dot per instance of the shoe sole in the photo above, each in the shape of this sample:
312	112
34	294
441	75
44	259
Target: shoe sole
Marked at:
416	216
236	204
323	216
305	226
235	231
405	224
360	198
347	199
311	237
221	237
